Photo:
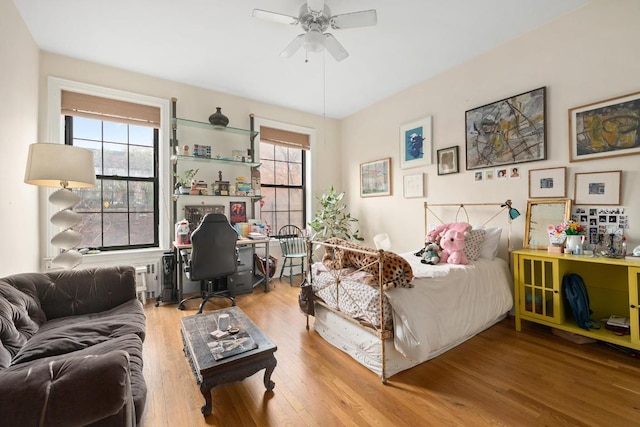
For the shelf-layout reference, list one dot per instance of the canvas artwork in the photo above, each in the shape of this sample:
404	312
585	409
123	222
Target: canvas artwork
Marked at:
508	131
605	129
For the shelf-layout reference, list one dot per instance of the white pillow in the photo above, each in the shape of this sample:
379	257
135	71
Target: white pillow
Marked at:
489	249
473	243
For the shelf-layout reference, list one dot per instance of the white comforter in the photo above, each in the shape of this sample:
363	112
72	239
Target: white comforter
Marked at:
448	303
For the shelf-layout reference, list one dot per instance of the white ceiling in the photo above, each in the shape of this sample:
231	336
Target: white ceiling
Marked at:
217	44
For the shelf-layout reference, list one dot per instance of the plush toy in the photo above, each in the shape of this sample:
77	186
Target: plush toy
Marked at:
431	254
452	244
436	234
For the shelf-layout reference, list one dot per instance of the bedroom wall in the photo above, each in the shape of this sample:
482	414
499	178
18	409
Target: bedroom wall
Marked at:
197	104
18	129
583	57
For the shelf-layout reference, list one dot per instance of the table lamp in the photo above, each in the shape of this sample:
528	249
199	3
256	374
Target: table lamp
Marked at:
64	166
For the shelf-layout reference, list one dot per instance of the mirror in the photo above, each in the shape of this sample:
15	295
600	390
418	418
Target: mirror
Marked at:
541	213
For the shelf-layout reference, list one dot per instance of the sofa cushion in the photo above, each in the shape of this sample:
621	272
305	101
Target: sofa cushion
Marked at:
20	318
55	373
68	334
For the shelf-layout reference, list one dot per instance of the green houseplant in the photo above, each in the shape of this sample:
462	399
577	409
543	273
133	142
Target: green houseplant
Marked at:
333	220
183	182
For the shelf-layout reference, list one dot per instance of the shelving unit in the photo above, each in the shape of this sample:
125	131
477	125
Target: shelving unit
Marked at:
178	158
612	285
223	139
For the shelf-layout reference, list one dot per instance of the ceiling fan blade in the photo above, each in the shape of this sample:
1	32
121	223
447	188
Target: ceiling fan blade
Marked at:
363	18
293	46
334	47
315	5
275	17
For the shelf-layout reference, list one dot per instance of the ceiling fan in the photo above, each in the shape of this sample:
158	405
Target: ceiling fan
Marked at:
315	18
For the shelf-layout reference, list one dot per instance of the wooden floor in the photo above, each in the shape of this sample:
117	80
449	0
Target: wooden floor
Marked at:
500	377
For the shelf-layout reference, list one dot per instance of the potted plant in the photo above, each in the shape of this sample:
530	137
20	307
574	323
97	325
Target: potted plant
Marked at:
183	182
333	220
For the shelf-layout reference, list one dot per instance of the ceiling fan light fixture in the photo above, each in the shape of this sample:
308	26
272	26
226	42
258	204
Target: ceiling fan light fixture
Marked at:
313	41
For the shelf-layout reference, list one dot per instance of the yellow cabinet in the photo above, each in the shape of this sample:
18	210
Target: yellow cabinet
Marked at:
612	285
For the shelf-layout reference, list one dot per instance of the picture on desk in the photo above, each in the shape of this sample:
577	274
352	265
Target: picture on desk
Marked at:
237	212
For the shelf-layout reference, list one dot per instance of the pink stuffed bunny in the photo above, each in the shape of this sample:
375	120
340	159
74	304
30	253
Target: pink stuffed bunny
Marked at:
452	244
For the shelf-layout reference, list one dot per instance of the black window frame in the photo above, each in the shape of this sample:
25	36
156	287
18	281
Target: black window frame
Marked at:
68	140
302	186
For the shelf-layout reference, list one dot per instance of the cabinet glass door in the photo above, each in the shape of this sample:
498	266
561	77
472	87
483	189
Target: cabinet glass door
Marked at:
539	289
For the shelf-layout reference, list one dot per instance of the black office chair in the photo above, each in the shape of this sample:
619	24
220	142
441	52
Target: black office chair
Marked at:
293	247
213	257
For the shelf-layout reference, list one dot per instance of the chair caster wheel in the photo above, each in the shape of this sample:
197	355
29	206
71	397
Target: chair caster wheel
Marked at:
180	306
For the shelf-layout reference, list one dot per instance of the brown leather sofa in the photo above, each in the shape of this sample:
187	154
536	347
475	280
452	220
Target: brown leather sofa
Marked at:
71	348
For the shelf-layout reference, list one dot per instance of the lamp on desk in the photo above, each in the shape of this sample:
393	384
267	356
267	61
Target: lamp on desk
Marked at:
64	166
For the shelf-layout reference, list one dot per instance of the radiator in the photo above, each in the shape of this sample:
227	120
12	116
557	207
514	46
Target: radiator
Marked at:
153	280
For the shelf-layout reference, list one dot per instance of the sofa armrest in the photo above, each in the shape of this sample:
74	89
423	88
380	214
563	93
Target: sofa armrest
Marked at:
77	390
74	292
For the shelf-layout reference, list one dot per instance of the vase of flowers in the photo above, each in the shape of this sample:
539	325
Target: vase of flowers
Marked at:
571	233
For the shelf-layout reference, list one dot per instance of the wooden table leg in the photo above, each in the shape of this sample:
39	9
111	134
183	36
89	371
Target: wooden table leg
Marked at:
270	366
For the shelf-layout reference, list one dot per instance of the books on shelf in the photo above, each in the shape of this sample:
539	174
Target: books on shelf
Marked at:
256	236
619	321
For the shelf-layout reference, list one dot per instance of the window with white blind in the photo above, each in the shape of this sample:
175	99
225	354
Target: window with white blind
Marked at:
121	211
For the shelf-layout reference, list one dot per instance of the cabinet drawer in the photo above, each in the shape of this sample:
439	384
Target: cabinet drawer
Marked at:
245	258
240	282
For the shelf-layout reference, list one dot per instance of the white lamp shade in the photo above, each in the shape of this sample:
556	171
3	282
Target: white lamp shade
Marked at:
56	165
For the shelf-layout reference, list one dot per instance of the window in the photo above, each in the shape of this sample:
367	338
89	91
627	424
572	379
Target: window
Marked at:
121	211
282	173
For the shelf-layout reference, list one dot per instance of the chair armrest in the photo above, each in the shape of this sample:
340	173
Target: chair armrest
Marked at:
74	292
77	390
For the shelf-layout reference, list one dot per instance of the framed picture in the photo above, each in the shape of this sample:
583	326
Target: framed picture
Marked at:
547	183
607	128
413	185
375	178
415	143
448	160
512	130
237	212
597	188
194	214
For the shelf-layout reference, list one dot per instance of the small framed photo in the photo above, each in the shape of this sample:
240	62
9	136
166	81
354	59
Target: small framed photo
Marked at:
375	178
606	128
237	212
416	143
501	173
448	160
514	172
547	183
597	188
413	185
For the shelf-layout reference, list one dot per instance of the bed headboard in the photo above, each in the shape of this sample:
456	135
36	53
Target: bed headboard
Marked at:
493	209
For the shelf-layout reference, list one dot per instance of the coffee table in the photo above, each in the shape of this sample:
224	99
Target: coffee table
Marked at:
212	373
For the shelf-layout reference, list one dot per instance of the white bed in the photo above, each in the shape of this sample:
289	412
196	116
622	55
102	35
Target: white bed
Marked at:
435	315
447	305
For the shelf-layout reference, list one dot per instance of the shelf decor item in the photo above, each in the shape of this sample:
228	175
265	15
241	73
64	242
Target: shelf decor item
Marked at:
218	119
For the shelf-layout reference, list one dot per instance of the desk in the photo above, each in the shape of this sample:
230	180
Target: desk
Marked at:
241	242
